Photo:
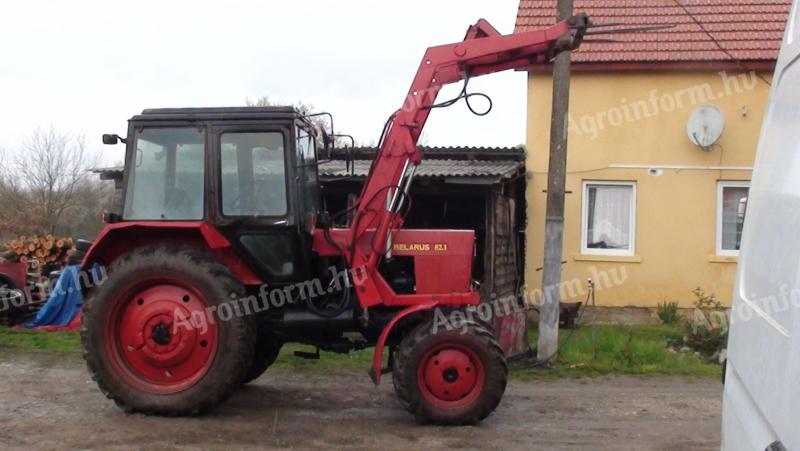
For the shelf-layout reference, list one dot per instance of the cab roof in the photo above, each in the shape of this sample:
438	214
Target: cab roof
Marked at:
189	114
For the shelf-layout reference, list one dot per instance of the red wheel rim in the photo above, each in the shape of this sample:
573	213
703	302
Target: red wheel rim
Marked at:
160	336
451	376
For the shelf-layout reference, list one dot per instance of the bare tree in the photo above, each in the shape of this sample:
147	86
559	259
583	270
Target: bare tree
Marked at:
18	218
320	122
303	108
44	180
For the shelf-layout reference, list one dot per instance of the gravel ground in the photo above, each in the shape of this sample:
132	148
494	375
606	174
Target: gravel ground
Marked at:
54	405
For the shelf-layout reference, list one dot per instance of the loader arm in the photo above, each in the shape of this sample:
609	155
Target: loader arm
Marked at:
483	51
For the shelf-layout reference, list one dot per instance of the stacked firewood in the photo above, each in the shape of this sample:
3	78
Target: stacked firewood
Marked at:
37	251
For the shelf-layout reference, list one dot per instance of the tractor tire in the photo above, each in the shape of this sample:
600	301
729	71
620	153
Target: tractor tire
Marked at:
154	336
267	349
450	377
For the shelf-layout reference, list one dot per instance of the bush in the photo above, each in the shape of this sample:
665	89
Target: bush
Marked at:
708	330
668	312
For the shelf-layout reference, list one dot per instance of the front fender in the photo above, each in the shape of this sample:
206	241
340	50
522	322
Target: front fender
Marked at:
376	371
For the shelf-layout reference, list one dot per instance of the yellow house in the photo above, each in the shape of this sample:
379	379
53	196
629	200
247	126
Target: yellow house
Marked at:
653	210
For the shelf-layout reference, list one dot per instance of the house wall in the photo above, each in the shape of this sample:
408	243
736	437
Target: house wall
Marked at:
640	119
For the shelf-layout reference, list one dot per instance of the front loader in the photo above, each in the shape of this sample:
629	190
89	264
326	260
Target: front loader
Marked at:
223	253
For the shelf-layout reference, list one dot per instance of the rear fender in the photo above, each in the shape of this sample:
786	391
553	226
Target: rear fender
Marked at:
377	358
120	238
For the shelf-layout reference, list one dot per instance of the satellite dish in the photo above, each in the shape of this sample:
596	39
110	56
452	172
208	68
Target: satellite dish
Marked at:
705	126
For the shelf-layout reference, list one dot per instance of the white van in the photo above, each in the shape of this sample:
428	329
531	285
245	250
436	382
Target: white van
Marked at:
761	402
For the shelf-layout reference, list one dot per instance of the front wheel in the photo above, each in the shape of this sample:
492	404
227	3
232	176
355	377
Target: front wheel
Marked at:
450	377
154	335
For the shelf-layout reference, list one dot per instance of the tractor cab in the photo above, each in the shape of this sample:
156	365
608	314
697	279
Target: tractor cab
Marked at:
250	172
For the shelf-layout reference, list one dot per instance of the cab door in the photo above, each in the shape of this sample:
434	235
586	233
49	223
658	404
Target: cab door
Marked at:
254	166
307	179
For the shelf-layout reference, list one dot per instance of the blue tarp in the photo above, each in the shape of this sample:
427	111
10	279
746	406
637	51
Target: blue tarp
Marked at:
64	303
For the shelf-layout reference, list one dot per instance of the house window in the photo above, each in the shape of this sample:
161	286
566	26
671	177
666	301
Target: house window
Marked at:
608	222
731	206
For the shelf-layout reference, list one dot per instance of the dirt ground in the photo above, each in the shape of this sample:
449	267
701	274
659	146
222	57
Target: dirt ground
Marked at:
54	405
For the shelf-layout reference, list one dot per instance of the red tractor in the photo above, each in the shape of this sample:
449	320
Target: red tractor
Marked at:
223	253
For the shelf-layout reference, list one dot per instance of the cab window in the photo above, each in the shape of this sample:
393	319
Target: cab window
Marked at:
307	164
253	174
167	175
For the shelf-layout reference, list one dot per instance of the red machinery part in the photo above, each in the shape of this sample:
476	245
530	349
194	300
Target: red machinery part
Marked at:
120	238
14	274
150	349
451	376
483	51
377	358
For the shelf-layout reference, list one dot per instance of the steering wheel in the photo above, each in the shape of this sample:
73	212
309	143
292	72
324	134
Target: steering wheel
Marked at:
260	204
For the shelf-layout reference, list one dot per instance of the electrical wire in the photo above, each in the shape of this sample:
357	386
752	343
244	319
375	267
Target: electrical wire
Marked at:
546	362
718	44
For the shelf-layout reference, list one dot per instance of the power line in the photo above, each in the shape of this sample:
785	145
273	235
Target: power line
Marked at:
719	45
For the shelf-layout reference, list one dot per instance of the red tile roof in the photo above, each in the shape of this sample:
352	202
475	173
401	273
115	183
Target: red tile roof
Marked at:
750	30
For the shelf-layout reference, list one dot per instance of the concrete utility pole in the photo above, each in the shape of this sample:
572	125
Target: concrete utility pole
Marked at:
556	180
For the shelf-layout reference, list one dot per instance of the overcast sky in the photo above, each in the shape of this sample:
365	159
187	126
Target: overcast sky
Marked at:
87	66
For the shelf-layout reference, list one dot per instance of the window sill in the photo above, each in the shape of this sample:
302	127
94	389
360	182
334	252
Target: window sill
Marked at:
723	258
607	258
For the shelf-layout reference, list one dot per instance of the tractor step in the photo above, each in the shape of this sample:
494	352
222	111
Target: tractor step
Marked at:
307	355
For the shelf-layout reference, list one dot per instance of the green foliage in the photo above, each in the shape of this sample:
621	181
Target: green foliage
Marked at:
641	349
12	341
328	360
707	332
668	312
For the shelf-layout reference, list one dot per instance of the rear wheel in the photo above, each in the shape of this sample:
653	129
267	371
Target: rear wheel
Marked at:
449	377
155	337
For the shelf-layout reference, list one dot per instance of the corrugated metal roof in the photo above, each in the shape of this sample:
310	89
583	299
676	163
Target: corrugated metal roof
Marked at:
432	168
463	161
751	30
442	153
108	170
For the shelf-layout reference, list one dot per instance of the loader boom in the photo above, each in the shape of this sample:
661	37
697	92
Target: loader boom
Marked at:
483	51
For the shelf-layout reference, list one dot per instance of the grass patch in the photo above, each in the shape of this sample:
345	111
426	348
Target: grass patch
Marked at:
327	361
635	350
60	344
644	354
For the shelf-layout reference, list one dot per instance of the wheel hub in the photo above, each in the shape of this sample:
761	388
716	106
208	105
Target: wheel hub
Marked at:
450	375
161	334
163	337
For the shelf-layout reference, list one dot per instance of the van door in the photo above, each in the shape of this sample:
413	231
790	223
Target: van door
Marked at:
762	385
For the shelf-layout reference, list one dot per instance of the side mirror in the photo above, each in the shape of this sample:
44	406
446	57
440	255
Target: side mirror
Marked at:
112	139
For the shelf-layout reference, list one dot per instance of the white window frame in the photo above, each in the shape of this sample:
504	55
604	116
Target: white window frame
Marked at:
585	220
721	185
